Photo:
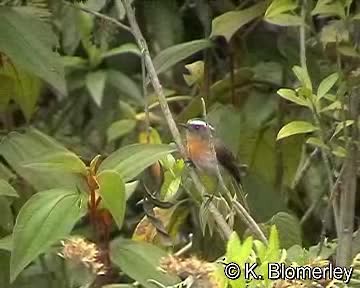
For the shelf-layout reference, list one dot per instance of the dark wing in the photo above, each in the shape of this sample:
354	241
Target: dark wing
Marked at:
228	160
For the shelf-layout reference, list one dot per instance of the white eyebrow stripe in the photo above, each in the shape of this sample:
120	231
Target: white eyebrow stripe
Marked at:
200	123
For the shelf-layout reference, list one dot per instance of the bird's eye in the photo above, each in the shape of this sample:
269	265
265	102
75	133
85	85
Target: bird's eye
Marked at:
197	127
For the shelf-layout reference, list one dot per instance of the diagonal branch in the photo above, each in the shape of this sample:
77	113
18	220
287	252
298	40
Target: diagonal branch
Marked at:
224	227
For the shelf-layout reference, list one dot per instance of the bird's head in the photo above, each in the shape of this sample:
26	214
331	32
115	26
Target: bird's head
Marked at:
197	127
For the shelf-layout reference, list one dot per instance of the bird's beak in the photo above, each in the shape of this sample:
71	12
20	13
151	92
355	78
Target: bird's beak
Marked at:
183	125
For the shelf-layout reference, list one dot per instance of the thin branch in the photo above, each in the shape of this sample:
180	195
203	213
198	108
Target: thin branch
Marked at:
224	227
317	201
100	15
303	35
300	173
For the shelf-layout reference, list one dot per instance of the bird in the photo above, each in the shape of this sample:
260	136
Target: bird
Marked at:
199	151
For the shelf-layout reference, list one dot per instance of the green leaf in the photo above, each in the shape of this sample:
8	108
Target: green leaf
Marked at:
130	188
237	253
295	127
124	85
280	6
317	142
29	43
340	126
131	160
336	105
327	84
233	247
120	128
356	17
174	54
59	161
348	50
7	84
46	218
246	250
112	192
123	49
303	77
140	261
170	185
19	148
25	88
273	249
7	217
6	243
289	230
291	95
329	8
7	190
228	23
285	19
95	83
339	151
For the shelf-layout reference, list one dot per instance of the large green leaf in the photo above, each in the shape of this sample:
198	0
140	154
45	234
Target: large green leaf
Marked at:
296	127
29	43
174	54
131	160
140	261
46	218
112	192
289	229
58	161
20	148
228	23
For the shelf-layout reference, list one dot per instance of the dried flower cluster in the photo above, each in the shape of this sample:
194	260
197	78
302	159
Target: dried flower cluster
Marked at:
78	250
202	272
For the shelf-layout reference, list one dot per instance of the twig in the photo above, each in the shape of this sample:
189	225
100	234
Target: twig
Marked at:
146	99
302	169
224	227
184	249
316	202
100	15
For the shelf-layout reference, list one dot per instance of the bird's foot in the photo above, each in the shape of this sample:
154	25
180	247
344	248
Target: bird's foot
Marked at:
189	163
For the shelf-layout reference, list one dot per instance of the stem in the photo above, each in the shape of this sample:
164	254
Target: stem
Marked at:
303	35
226	230
348	195
300	173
